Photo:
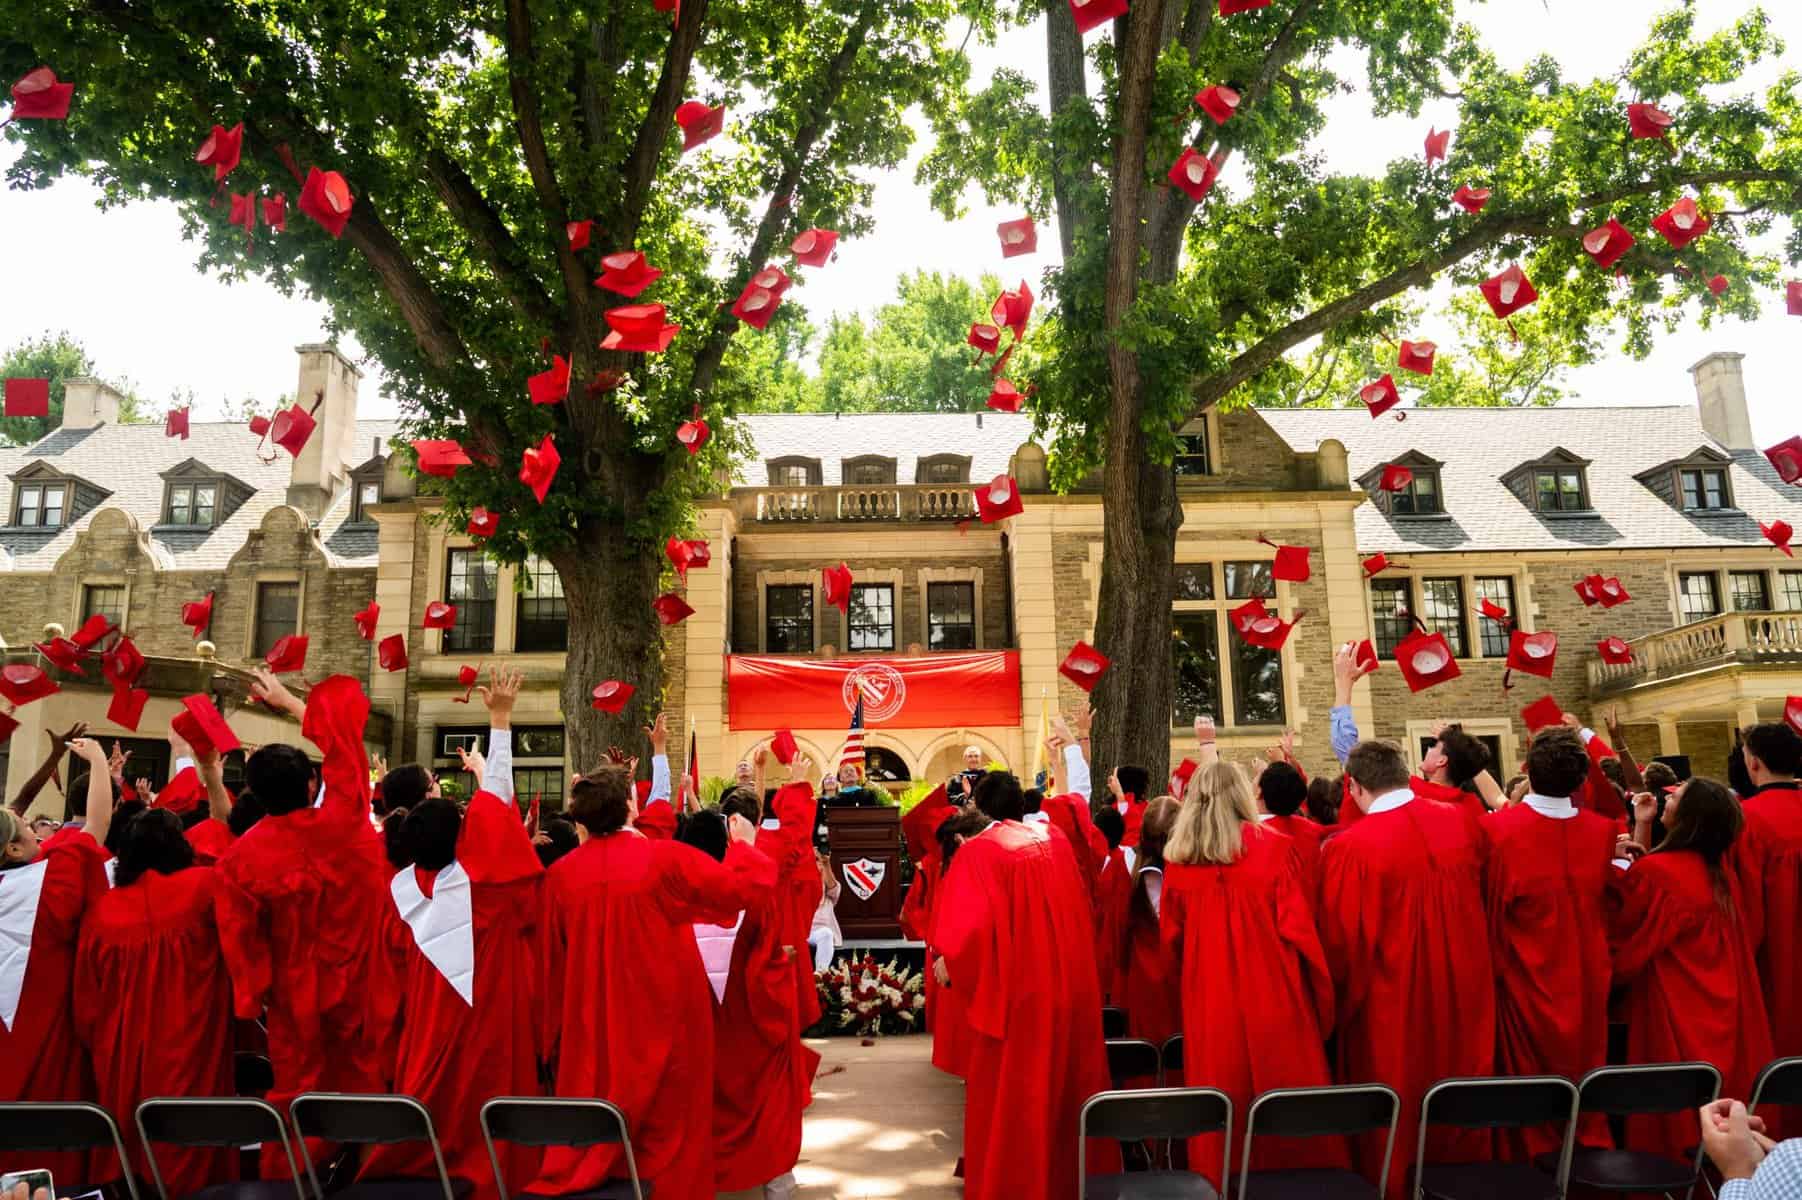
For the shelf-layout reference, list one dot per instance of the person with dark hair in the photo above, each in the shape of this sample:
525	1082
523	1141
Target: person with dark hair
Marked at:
1066	800
1281	791
1126	788
1449	769
556	838
1770	862
1323	801
1013	928
407	785
394	838
1150	984
1548	880
629	1015
1738	778
46	895
303	903
1684	953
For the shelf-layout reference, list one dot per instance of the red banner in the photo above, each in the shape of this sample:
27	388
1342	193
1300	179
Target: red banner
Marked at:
936	691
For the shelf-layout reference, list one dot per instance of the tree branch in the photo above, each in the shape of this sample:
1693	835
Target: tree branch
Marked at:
1196	23
1068	84
640	168
489	235
529	124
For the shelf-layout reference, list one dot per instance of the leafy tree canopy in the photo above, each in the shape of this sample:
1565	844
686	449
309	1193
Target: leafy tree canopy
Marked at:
58	358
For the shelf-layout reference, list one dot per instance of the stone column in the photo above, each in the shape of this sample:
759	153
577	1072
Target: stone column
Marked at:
703	641
395	524
1667	736
1035	619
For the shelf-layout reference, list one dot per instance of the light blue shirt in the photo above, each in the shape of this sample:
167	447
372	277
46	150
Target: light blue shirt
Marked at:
1344	728
1779	1176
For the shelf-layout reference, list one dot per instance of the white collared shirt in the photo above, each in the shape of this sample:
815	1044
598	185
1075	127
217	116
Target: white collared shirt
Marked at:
1036	818
1389	800
1558	808
1262	817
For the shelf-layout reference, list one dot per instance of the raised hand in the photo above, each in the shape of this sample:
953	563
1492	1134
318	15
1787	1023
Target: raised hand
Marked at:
1085	719
275	693
89	751
658	731
801	767
1645	808
60	741
500	694
115	762
473	761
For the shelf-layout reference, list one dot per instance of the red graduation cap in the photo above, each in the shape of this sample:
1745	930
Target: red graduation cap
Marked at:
672	609
467	676
1260	627
391	653
1017	237
1005	397
440	458
1291	564
538	467
439	615
326	198
27	398
986	339
783	746
482	523
1090	13
1717	284
1395	478
1681	223
39	97
1365	655
1792	712
1417	357
292	428
1792	297
175	425
1586	591
1778	533
1376	564
760	300
63	654
1229	7
259	424
198	614
1610	592
1614	651
1786	459
1425	660
1533	653
275	212
699	122
577	232
627	272
1084	666
685	554
1648	120
1508	292
1492	610
1437	140
366	621
201	726
1542	713
1471	199
1179	778
92	630
1219	102
123	663
813	247
221	149
693	433
1194	173
127	707
1012	310
998	498
835	582
24	682
1606	243
244	211
288	654
639	329
552	386
1381	396
611	696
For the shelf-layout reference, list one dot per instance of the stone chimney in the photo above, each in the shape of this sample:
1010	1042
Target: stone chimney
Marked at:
88	402
1721	398
321	473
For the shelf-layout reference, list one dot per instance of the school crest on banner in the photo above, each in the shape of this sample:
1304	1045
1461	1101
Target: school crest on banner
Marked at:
864	877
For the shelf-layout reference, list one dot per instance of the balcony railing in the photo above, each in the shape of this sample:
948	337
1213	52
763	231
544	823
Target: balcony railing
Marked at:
1732	638
874	502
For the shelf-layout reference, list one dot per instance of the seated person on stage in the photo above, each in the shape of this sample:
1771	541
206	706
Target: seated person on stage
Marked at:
825	937
963	784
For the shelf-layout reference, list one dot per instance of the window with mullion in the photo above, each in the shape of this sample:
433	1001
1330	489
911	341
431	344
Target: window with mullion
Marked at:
1195	660
872	617
470	585
951	616
1698	596
104	600
278	615
1789	590
1492	635
788	618
1748	591
543	614
1559	491
1704	488
1420	498
1442	611
1389	614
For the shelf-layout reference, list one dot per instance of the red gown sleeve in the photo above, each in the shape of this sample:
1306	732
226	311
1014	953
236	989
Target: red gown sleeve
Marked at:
493	846
916	909
698	890
1644	924
920	826
244	943
1349	929
657	821
336	714
969	920
210	839
1600	795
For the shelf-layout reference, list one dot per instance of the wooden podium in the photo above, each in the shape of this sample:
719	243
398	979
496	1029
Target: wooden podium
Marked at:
865	846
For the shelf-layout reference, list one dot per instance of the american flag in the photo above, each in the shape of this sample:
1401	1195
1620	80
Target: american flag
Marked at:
853	752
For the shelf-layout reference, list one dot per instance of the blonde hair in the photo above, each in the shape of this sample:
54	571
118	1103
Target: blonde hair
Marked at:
1216	805
11	826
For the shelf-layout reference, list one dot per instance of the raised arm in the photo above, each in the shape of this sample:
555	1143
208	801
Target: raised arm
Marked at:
59	745
211	769
1347	670
658	731
500	696
333	718
1077	779
100	788
1630	772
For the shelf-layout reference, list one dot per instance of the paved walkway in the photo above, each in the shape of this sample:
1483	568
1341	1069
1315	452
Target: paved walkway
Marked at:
888	1125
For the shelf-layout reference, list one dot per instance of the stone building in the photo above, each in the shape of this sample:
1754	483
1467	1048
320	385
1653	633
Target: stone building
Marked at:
1515	506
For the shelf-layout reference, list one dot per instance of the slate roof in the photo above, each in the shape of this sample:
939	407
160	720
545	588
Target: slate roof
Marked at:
989	438
128	461
1478	446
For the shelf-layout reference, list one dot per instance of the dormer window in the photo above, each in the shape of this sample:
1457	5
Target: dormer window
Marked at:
366	489
794	471
45	498
943	469
1559	491
1705	488
1554	485
869	470
40	505
191	504
1698	484
1421	496
196	496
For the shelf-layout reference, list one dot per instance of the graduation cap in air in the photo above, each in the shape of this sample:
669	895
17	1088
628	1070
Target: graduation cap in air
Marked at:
1437	140
1376	564
1614	651
482	523
699	122
1416	357
1533	653
1778	533
1792	297
92	631
997	499
611	696
1792	712
685	554
221	150
1607	242
1012	310
1610	591
198	614
1017	237
127	706
1290	564
37	96
175	425
1259	627
552	386
466	678
1509	291
1395	477
1471	199
1179	778
1365	655
391	653
288	654
27	398
199	724
1586	591
672	609
1379	397
63	654
1005	397
986	339
275	212
782	745
1648	120
693	433
639	329
366	621
1786	459
440	615
1219	102
22	683
627	273
813	247
441	458
244	211
835	583
1492	610
1681	223
258	425
1425	660
1229	7
761	297
538	467
122	665
1717	284
1194	173
292	428
326	198
1084	666
577	232
1090	13
1540	714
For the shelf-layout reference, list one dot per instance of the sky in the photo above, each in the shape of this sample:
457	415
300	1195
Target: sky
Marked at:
125	284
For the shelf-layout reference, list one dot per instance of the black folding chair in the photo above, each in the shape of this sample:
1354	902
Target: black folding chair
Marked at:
1170	1060
374	1120
1318	1112
1149	1114
235	1121
1779	1082
1130	1058
47	1126
1113	1022
1648	1090
1513	1102
537	1121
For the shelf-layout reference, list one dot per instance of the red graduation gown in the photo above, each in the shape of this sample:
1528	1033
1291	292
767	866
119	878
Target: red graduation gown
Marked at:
454	1054
791	849
1257	1001
920	824
1011	924
210	839
1305	838
1548	884
1403	926
944	1006
1769	858
1149	981
1691	982
1070	813
154	1008
628	1009
41	1058
1113	888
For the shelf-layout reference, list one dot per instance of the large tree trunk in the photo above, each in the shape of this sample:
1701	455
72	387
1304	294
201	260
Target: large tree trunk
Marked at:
608	585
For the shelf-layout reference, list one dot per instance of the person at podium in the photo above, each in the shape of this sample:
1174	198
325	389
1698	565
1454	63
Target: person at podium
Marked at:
851	792
963	784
